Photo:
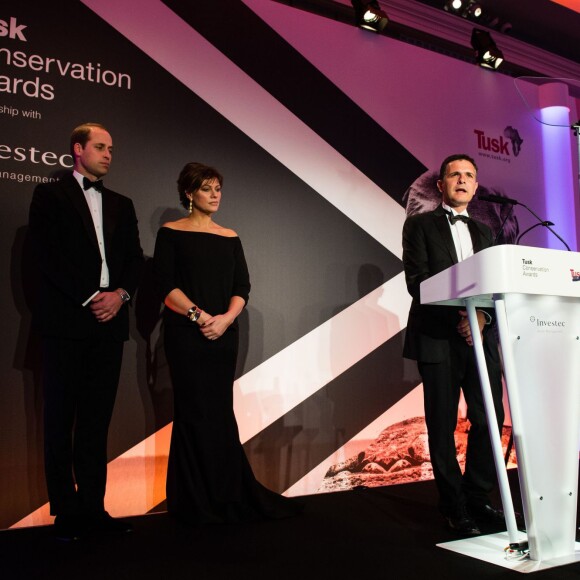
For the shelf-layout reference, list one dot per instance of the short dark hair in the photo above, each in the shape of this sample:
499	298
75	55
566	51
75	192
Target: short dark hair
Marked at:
192	177
451	159
81	135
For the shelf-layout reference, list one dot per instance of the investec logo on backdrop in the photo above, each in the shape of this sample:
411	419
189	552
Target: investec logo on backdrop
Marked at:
500	147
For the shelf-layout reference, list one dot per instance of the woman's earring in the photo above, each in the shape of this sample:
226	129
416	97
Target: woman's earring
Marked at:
190	204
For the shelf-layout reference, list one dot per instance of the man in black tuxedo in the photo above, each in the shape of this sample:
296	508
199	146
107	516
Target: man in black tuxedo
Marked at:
89	255
439	339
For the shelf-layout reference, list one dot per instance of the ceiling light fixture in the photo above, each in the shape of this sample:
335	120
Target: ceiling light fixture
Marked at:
487	54
470	9
453	5
368	15
474	10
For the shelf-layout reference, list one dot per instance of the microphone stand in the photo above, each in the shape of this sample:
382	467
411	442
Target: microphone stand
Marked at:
505	219
508	201
576	129
541	223
546	224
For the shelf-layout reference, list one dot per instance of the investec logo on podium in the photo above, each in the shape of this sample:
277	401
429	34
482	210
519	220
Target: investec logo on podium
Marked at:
575	275
548	325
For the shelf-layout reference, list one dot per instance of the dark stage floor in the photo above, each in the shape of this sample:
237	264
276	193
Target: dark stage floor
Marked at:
388	532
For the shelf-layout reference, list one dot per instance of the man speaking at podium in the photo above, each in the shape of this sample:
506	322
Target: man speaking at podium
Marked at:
439	339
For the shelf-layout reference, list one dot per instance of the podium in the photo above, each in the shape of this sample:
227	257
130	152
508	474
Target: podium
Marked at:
536	296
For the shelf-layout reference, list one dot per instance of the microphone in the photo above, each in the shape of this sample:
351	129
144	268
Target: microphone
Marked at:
497	199
507	201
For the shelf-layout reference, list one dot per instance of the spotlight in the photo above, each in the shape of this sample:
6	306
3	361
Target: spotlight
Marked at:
368	14
473	10
453	5
487	54
467	8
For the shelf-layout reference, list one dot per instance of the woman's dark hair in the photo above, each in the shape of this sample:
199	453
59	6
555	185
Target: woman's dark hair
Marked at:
191	178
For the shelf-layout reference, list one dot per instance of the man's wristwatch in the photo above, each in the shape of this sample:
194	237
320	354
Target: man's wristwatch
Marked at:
125	296
193	313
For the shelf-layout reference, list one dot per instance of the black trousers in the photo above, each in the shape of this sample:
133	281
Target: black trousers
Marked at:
80	384
442	385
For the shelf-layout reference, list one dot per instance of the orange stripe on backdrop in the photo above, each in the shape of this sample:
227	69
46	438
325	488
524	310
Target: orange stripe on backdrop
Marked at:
572	4
135	481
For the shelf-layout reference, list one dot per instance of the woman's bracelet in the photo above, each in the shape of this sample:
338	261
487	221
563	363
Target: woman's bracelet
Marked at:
193	313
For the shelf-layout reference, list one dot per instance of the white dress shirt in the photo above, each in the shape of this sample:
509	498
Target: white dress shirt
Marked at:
95	203
461	235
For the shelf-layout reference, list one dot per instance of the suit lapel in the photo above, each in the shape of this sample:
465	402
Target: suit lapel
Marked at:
445	232
110	206
77	197
475	236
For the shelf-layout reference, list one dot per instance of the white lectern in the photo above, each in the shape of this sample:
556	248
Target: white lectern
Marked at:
536	295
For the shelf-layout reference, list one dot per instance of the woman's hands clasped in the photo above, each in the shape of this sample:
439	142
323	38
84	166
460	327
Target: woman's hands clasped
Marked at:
213	327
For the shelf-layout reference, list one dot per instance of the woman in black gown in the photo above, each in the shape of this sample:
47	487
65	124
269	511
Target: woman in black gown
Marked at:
204	279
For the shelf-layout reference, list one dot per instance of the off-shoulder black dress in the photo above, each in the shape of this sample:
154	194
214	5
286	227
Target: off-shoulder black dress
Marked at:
209	478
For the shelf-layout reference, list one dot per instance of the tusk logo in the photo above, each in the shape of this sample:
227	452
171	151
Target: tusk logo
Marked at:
12	29
575	275
514	136
510	143
492	144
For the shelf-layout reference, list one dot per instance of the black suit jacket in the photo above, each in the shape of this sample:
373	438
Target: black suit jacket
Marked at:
428	249
65	241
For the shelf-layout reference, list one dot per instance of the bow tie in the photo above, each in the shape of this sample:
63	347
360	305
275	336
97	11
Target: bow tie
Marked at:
455	218
87	183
